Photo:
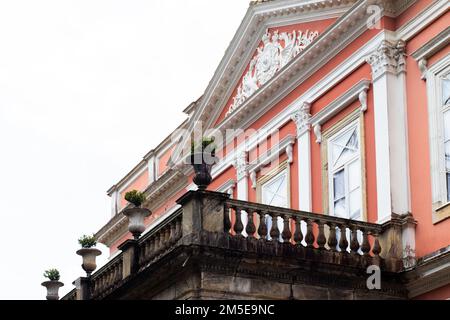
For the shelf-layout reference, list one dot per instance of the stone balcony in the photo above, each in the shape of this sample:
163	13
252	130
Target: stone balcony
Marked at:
205	251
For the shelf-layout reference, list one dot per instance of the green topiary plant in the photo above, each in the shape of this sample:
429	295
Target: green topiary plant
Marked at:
87	241
52	274
135	197
207	144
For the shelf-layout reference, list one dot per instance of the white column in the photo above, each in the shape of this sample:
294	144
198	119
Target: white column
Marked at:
301	118
241	165
391	142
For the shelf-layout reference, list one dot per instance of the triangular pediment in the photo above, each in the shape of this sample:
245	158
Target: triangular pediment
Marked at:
278	46
271	38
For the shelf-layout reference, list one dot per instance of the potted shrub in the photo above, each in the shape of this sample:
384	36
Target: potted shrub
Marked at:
88	253
202	158
135	213
53	284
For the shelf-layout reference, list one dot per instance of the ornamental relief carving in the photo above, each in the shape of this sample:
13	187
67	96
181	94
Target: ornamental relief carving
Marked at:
275	52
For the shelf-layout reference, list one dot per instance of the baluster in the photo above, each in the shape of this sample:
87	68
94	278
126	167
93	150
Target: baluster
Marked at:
226	220
274	232
152	249
167	237
343	243
286	234
309	238
376	250
251	228
298	235
332	239
238	226
172	237
365	246
157	243
262	230
179	228
354	244
321	239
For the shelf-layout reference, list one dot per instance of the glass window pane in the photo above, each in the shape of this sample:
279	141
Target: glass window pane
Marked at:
355	204
345	148
446	91
354	175
339	185
339	208
275	191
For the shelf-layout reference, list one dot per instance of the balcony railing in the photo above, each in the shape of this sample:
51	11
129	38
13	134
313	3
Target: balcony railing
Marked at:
212	219
319	231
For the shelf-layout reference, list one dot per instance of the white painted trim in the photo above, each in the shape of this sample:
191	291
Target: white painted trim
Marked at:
271	155
437	159
340	104
422	54
227	186
422	20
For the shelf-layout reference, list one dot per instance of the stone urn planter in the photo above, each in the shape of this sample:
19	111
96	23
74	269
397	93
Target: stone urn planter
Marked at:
202	164
89	256
202	159
52	289
136	217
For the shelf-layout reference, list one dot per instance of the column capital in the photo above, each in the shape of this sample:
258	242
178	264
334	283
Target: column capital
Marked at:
302	117
388	58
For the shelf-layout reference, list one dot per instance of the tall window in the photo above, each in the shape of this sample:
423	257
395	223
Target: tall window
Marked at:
438	94
344	165
275	192
445	105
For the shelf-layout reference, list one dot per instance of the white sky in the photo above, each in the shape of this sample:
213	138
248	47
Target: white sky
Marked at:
87	87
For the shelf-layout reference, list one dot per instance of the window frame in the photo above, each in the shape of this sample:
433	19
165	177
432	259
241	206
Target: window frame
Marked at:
267	178
353	126
436	110
354	119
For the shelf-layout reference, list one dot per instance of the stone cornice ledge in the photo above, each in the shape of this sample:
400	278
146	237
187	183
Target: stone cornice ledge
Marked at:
285	145
359	91
433	46
166	185
432	272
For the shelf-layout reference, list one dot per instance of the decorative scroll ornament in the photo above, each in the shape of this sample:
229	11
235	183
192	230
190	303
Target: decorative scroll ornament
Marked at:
276	51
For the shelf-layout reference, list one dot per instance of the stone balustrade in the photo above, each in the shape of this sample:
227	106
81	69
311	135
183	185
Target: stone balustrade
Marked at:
213	220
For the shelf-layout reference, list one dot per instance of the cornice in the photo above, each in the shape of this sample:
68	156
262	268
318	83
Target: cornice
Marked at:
358	91
431	47
257	20
158	192
431	272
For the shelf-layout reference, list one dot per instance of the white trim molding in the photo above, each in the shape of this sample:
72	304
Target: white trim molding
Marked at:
358	91
436	138
433	46
285	145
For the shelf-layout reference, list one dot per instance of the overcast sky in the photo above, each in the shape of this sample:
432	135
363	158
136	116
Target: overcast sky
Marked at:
87	88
